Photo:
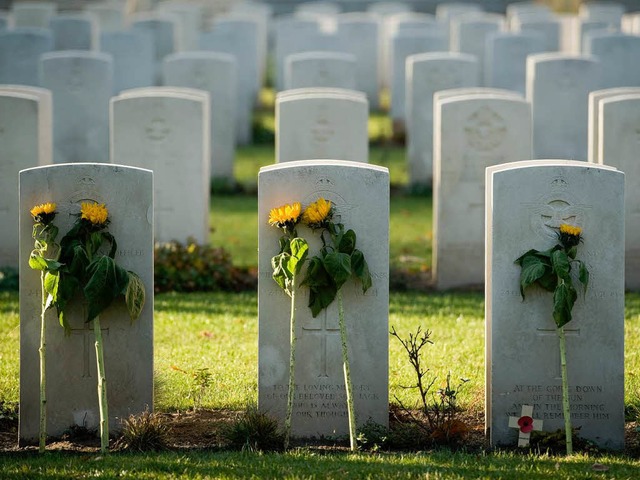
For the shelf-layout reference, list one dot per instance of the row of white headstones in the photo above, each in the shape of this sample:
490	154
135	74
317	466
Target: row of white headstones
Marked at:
522	365
164	129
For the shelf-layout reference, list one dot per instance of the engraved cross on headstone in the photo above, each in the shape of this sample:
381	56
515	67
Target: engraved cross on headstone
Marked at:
568	332
525	425
323	331
86	332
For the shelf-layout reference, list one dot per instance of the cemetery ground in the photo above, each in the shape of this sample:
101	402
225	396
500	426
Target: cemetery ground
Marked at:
206	374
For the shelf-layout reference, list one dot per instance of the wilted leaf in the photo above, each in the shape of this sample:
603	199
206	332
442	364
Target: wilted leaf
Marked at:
361	269
106	281
134	296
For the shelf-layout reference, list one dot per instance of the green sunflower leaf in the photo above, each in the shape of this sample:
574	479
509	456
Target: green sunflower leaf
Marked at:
564	298
338	266
560	263
533	268
361	269
107	280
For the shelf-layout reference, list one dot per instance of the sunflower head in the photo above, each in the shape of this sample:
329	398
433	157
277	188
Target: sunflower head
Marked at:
286	216
44	213
94	213
569	235
318	214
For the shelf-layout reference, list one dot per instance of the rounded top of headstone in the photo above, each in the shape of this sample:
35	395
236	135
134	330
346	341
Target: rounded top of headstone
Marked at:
201	55
170	92
319	92
324	163
77	54
548	163
439	56
321	55
560	56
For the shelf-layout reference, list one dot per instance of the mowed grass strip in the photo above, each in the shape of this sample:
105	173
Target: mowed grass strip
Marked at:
306	464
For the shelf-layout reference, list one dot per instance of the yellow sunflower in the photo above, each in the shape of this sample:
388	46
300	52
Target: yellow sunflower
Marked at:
43	213
318	213
96	213
286	216
569	235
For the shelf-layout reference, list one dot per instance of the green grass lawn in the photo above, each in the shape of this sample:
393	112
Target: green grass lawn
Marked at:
306	464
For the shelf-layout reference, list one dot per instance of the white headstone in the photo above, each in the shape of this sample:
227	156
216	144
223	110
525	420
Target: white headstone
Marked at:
32	14
240	39
585	28
360	34
446	12
526	203
594	111
25	142
550	29
164	32
288	32
404	45
166	129
428	73
471	132
189	15
618	54
216	74
619	133
314	123
384	8
133	59
506	59
405	23
72	398
319	404
6	21
81	84
609	12
469	34
320	69
301	36
260	24
526	8
558	87
110	15
20	51
74	32
317	6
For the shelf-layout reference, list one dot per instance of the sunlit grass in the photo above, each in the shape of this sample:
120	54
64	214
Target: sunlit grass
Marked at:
306	464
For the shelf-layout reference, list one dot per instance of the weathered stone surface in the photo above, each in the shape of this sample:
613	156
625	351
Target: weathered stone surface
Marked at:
360	194
72	398
526	203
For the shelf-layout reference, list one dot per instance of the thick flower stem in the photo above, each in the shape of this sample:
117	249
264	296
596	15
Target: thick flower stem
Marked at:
565	391
102	389
347	375
43	357
292	363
